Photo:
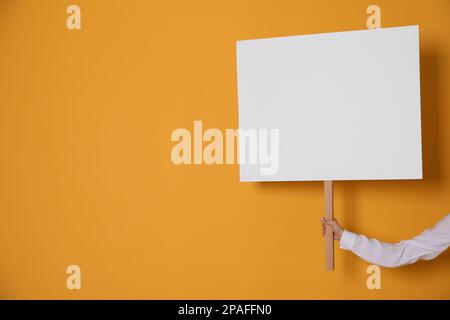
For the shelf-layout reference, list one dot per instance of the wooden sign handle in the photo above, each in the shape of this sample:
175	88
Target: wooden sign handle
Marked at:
329	244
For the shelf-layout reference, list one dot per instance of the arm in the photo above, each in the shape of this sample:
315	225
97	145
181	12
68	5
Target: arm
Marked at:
426	246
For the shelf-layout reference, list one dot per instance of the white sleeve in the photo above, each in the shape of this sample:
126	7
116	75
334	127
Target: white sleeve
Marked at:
426	246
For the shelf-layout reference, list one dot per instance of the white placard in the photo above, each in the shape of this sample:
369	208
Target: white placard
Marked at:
347	104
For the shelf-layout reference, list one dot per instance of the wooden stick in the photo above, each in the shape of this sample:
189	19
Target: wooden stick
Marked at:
329	245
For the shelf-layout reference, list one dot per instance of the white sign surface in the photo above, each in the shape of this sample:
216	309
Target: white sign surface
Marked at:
347	104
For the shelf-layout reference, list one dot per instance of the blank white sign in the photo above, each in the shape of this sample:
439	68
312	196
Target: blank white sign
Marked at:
347	104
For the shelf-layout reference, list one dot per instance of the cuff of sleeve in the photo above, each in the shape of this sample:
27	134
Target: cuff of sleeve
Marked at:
347	240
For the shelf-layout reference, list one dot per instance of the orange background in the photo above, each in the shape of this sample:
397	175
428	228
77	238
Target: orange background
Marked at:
86	176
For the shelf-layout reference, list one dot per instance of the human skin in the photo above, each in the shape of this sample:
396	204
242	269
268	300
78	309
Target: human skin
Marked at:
337	229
